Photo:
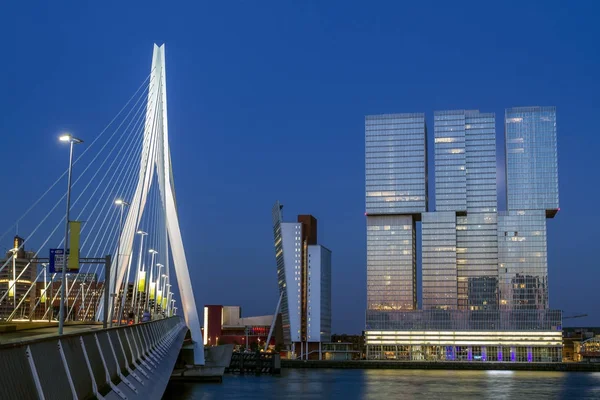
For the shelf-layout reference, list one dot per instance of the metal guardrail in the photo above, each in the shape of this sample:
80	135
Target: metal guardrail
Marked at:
133	361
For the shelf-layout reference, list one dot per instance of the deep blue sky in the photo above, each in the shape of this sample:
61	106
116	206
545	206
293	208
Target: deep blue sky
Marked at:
267	102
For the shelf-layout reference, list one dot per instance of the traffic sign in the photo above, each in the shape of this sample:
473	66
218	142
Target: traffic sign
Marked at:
57	260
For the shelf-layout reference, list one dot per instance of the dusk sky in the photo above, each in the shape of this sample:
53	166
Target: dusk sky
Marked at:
267	100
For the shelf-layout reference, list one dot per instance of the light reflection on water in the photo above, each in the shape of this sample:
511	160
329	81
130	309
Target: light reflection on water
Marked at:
395	384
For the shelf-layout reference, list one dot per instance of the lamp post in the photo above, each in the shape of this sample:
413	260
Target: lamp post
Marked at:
82	306
168	302
14	277
45	288
149	279
122	204
137	271
164	287
157	285
61	319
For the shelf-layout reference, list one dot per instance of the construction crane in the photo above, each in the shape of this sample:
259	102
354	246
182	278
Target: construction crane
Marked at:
576	316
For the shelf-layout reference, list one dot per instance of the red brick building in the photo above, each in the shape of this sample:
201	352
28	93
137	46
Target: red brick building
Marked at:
225	325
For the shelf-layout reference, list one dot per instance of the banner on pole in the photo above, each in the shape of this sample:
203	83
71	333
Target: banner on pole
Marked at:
142	282
73	260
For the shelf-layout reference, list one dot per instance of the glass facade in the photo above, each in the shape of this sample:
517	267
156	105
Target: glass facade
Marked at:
485	273
523	260
439	260
477	261
450	161
465	181
391	263
480	155
285	315
531	159
396	164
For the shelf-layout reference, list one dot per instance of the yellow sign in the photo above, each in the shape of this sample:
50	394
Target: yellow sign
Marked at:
142	282
11	288
75	228
42	295
152	290
159	297
164	303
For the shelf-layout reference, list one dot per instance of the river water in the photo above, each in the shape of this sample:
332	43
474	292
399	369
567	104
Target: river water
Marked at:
396	384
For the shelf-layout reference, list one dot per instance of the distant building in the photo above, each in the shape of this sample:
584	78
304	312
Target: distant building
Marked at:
16	278
304	278
573	338
83	295
225	325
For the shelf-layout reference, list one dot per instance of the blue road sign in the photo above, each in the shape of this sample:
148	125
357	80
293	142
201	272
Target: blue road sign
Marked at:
57	260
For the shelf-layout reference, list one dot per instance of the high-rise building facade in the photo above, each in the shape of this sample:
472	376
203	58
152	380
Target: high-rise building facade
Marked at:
304	279
532	196
396	195
466	201
531	159
485	283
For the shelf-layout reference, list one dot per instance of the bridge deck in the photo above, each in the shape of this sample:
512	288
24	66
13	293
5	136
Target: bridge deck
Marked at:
126	362
25	331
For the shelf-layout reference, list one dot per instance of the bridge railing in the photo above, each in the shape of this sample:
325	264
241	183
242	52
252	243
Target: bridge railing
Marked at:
124	360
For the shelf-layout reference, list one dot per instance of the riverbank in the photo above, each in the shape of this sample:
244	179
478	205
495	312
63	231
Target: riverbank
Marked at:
369	364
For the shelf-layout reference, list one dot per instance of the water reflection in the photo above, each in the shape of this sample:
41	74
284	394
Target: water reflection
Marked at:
394	384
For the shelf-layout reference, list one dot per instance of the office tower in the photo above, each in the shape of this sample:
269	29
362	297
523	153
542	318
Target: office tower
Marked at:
532	195
460	268
304	279
485	283
531	159
439	269
396	195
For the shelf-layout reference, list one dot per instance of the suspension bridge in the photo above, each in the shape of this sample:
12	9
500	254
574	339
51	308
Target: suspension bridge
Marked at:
90	299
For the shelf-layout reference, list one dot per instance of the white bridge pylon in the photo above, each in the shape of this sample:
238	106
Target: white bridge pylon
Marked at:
156	156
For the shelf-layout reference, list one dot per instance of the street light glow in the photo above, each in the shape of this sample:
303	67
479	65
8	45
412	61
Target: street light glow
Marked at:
140	232
152	251
120	202
67	137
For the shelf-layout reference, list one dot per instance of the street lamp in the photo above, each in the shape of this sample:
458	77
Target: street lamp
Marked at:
168	303
138	270
157	285
82	306
13	283
164	287
151	267
61	319
122	203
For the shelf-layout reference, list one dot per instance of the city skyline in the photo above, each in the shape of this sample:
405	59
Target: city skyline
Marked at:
253	113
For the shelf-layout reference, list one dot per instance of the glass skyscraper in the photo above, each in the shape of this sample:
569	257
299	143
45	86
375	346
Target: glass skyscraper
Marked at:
304	280
485	281
396	195
532	195
466	199
531	159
